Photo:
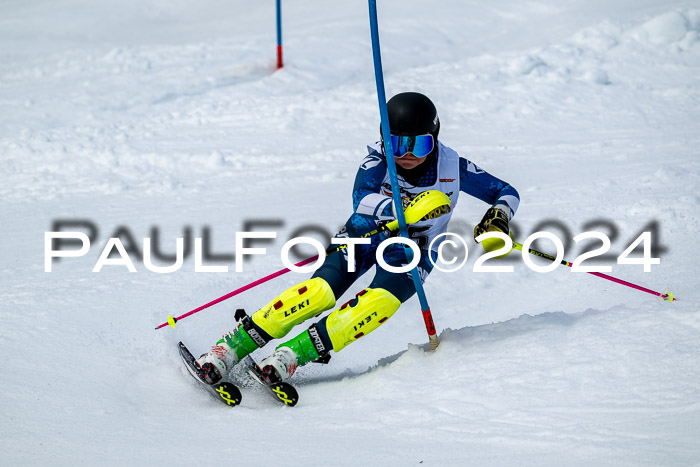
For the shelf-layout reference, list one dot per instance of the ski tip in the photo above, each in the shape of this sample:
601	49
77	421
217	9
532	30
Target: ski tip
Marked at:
228	393
285	393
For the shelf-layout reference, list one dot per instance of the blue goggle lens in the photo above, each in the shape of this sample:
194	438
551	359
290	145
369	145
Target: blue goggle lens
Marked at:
420	146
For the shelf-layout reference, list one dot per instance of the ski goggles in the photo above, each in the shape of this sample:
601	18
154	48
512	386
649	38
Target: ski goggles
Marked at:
420	145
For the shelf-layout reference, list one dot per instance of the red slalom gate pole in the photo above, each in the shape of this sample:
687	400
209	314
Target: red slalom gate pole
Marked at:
279	34
171	321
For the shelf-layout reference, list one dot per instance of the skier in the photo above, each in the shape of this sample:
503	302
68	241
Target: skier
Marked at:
423	163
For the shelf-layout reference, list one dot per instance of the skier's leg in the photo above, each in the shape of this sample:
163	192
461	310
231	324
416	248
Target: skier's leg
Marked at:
272	321
366	312
277	318
293	306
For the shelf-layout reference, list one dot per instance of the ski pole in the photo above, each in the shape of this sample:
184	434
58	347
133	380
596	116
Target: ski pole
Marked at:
668	296
429	203
171	321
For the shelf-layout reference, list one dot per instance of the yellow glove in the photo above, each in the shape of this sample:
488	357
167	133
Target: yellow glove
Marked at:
495	220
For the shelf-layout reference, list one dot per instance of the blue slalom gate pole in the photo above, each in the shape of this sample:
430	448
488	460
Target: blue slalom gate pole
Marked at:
396	194
279	34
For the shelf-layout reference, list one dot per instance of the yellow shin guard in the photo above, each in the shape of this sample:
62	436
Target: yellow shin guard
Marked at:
348	323
293	306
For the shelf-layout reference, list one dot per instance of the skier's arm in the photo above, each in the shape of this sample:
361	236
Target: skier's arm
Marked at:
478	183
368	201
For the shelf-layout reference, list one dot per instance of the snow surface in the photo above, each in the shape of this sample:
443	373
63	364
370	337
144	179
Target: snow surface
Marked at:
142	114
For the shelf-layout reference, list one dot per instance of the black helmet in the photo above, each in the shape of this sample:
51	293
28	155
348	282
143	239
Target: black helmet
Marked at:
412	114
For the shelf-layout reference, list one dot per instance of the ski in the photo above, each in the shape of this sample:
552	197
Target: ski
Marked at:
281	391
224	391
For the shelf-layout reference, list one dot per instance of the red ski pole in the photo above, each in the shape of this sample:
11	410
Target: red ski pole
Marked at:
429	203
171	321
665	296
279	35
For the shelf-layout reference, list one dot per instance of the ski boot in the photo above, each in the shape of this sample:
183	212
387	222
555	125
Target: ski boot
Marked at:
229	350
272	321
302	349
207	372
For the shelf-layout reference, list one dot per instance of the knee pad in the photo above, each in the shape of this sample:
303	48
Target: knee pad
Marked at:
293	306
350	322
